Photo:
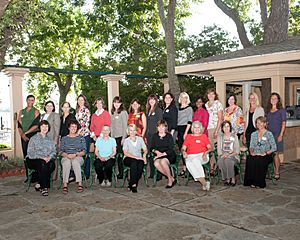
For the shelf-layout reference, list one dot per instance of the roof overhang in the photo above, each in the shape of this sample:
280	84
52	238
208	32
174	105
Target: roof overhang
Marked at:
205	68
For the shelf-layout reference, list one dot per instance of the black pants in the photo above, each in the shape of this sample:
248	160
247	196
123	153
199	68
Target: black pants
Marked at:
43	169
104	169
119	150
181	131
256	170
136	169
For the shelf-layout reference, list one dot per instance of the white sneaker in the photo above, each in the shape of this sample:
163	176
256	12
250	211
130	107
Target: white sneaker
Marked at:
108	183
103	184
207	186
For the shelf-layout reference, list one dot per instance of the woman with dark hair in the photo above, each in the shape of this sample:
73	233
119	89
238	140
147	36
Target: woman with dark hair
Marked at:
201	114
100	118
137	117
262	145
276	118
170	113
154	114
234	114
40	154
119	119
65	118
83	116
53	119
228	153
162	145
215	110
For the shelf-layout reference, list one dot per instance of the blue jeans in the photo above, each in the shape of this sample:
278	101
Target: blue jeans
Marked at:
87	161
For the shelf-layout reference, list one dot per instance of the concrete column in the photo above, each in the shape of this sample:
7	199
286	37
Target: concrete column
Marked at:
246	92
165	81
221	91
16	102
278	85
112	87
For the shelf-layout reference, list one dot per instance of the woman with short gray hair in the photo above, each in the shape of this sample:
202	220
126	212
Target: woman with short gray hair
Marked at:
195	150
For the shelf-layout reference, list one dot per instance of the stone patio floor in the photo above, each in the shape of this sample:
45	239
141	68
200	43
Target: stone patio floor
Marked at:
183	212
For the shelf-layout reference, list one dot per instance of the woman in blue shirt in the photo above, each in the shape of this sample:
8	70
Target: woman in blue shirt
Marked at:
262	145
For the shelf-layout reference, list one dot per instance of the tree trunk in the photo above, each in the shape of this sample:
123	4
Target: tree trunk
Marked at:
63	88
3	6
168	25
276	28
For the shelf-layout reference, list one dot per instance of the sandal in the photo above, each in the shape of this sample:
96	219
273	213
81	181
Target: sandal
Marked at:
45	192
80	189
65	190
277	177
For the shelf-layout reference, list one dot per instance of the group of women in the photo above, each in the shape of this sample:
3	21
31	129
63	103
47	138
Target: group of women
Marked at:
157	130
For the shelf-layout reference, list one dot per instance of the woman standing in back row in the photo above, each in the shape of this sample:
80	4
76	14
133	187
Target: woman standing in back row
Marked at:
137	117
276	118
119	119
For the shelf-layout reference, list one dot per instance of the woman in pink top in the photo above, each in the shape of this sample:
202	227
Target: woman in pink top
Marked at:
100	118
201	115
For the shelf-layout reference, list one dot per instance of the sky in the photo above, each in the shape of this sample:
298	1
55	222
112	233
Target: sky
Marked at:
203	14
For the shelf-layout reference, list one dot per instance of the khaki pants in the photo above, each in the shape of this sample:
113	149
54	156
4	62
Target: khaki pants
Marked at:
75	164
212	142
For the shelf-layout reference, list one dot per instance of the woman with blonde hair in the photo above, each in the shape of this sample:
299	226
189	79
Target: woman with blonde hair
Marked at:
184	121
252	113
135	151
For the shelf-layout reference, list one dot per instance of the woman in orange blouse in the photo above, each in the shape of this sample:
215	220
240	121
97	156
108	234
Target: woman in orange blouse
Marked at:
137	117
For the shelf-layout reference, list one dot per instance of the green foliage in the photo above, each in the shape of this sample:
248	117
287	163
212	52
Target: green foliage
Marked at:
294	27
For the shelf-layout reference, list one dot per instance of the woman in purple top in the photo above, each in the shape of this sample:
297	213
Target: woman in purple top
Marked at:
276	117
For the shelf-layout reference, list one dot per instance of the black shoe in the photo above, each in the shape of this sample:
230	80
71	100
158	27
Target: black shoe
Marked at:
173	184
182	173
226	183
232	184
26	180
120	176
134	189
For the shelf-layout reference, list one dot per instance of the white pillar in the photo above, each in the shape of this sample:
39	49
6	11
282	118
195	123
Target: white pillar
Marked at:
112	87
16	102
278	85
165	81
246	92
221	91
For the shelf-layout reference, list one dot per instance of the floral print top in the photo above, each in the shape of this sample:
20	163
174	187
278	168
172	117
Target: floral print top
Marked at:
83	117
213	113
236	119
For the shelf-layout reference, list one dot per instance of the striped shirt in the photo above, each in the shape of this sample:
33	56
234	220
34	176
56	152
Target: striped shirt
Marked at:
71	145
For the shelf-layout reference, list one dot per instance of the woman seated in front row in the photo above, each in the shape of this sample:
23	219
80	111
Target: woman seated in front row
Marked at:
228	153
105	151
262	145
40	154
72	151
132	148
162	145
195	149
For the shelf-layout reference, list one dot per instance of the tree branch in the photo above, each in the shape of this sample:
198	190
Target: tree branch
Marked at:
161	13
263	12
3	6
234	15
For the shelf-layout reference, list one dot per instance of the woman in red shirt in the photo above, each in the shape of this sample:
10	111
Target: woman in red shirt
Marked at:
137	117
195	150
100	118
